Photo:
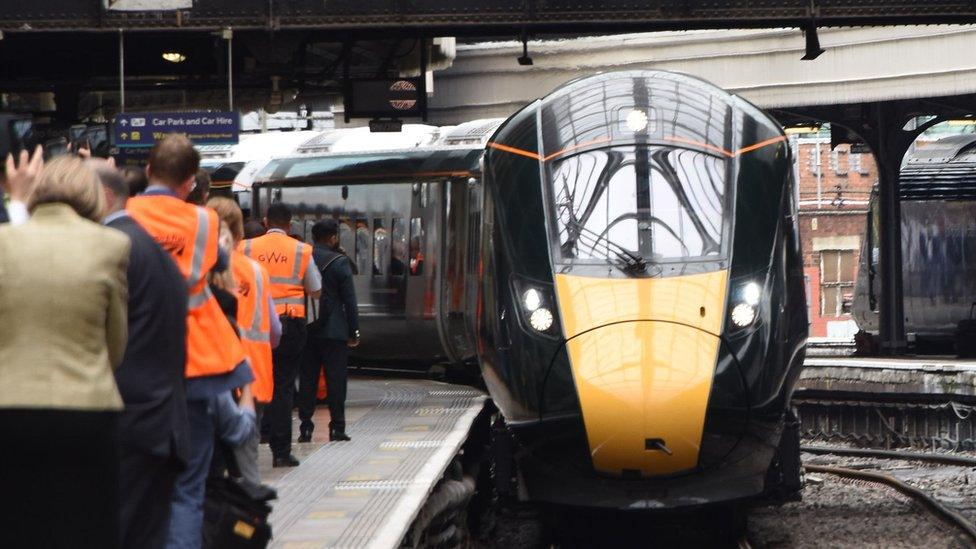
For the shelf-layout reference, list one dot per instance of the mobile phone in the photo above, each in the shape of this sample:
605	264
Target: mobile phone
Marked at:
55	147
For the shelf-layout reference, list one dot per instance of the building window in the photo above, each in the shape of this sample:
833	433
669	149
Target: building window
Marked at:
839	162
837	273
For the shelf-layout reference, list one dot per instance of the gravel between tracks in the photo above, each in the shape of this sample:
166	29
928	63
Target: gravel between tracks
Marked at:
837	512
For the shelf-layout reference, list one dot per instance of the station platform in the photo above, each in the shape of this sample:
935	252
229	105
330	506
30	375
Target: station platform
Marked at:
922	402
918	376
367	492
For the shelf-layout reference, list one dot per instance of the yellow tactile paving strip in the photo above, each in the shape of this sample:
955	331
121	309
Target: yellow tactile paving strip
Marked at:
365	493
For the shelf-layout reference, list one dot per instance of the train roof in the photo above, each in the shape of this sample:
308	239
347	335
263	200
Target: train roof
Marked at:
941	170
373	166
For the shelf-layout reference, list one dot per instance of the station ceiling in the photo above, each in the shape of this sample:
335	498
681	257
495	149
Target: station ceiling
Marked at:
290	52
479	17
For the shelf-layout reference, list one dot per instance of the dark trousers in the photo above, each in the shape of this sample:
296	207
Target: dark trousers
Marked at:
145	486
287	359
59	475
186	504
333	355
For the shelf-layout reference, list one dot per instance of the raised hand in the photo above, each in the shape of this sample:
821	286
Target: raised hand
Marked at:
21	176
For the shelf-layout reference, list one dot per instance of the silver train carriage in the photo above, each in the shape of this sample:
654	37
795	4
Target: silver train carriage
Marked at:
410	221
938	209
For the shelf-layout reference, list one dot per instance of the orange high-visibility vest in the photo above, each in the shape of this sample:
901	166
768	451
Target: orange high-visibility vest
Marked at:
286	260
189	233
253	289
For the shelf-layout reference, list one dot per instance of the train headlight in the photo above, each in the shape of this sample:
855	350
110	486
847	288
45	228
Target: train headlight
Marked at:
636	121
751	294
541	319
743	315
532	300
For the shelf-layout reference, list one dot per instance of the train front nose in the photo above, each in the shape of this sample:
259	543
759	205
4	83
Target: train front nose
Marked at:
643	387
643	355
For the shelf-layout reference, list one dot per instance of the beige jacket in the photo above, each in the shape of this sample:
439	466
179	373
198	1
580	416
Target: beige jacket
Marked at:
63	316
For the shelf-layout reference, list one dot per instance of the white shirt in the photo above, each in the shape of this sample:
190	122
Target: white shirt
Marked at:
17	212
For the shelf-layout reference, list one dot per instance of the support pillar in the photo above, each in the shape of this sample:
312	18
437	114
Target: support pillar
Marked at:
889	150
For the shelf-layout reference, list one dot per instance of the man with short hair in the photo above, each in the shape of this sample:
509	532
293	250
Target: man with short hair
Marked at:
331	336
153	426
293	276
215	359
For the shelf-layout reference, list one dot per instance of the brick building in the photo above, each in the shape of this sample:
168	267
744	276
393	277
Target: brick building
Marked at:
834	191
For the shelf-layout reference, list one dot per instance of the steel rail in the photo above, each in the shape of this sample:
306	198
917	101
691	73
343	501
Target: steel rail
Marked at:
937	508
890	454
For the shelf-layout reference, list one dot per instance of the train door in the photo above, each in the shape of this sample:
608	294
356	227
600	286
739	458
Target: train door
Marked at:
460	345
423	238
473	259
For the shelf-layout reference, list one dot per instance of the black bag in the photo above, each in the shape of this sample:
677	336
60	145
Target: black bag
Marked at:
235	511
966	336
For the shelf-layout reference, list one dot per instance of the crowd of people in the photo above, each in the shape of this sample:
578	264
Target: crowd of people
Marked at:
151	338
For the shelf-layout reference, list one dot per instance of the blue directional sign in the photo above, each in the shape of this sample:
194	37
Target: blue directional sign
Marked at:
202	127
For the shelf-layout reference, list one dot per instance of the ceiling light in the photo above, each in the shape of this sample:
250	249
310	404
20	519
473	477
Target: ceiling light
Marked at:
174	57
813	49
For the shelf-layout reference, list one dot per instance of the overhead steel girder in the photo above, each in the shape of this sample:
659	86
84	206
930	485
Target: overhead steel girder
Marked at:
482	16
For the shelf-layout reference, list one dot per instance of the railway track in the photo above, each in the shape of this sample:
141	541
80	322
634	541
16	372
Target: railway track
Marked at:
926	500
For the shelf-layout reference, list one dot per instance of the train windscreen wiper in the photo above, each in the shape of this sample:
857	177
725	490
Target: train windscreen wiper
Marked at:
631	262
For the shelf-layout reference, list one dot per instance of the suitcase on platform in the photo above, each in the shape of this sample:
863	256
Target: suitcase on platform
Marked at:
966	336
235	511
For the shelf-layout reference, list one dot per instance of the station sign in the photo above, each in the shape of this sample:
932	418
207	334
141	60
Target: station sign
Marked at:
201	127
385	98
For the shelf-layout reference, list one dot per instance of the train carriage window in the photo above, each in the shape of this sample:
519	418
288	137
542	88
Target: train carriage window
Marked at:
362	246
381	248
347	240
398	247
418	241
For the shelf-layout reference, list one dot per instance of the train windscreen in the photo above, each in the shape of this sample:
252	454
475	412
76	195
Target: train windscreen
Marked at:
653	203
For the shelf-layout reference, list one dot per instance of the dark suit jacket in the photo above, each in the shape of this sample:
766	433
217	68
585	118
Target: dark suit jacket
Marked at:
150	377
338	311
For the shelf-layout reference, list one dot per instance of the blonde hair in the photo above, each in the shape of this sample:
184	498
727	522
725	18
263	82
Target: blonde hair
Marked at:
67	180
229	212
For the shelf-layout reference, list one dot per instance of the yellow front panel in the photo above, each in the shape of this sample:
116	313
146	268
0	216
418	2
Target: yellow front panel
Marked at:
643	368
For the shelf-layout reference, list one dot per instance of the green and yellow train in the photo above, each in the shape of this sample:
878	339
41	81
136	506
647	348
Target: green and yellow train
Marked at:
642	315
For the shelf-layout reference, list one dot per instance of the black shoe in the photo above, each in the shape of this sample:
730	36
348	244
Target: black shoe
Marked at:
284	461
305	435
338	436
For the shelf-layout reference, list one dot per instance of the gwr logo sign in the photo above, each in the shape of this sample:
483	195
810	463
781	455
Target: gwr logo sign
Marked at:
274	258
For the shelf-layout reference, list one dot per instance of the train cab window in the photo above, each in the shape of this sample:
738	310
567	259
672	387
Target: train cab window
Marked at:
418	242
381	247
362	246
663	203
398	247
347	240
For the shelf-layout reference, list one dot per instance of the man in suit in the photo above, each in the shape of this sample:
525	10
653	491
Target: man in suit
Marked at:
153	425
331	336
